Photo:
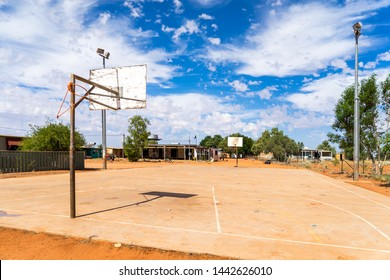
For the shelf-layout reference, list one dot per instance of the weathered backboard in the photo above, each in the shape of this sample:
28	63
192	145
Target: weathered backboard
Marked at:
235	142
128	81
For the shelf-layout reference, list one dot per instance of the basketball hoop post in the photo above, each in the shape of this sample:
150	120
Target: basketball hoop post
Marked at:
131	99
72	150
236	156
235	142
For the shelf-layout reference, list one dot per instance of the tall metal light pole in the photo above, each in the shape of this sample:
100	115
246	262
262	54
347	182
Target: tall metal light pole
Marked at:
105	56
356	136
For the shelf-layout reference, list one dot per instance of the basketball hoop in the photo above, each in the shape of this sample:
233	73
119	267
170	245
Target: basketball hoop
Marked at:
110	88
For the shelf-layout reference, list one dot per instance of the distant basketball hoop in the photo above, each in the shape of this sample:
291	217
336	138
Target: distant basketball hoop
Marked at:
235	142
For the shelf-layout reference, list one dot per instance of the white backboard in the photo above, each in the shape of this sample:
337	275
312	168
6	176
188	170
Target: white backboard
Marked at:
235	142
129	81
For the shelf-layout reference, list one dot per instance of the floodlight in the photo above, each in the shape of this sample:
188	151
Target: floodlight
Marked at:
102	53
357	27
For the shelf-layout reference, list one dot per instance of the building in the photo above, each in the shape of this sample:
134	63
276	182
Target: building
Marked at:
180	152
91	152
8	142
313	154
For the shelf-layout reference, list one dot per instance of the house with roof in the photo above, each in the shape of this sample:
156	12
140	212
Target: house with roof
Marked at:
9	142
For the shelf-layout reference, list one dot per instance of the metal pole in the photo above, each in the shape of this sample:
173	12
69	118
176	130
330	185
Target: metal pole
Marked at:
356	131
104	136
236	157
72	151
104	143
189	148
123	145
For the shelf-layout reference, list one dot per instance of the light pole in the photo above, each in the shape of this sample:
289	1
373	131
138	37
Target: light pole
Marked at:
357	27
105	56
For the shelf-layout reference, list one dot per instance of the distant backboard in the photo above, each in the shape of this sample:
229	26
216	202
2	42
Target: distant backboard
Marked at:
235	142
128	81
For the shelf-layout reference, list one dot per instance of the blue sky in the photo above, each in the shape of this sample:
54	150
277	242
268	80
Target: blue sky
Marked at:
214	67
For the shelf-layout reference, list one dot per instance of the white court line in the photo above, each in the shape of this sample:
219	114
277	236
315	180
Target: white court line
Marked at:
49	195
210	232
353	214
216	212
243	236
338	208
34	212
340	187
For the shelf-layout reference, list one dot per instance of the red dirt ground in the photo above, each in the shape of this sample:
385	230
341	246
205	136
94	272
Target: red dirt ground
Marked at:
18	244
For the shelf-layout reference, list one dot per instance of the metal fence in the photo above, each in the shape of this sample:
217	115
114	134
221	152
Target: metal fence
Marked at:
23	161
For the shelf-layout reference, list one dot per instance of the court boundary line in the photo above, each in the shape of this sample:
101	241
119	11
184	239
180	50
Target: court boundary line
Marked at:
216	211
209	232
244	236
350	191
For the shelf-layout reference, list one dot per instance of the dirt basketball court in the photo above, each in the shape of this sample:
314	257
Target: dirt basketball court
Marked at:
206	210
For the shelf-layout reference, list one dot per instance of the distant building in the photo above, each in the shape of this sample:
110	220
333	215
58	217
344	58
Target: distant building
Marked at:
314	154
91	152
179	151
8	142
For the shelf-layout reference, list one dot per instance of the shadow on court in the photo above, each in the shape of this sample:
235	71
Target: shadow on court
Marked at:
156	194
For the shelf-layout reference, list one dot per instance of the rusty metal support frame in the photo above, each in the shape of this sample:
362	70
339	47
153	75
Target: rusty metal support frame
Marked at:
73	106
72	172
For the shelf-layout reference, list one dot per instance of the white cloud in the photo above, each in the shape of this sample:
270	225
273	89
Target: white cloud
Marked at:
276	3
104	17
254	83
339	64
373	64
215	41
321	95
370	65
135	8
211	67
214	26
206	17
281	48
210	3
384	56
43	42
284	115
167	29
190	27
177	114
238	86
267	92
178	6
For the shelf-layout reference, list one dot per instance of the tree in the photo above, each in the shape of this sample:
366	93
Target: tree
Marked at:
325	145
206	142
259	146
211	142
343	124
385	106
370	95
137	139
217	141
51	137
275	142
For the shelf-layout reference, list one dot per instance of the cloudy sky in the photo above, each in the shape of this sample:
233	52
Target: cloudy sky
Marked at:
213	66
